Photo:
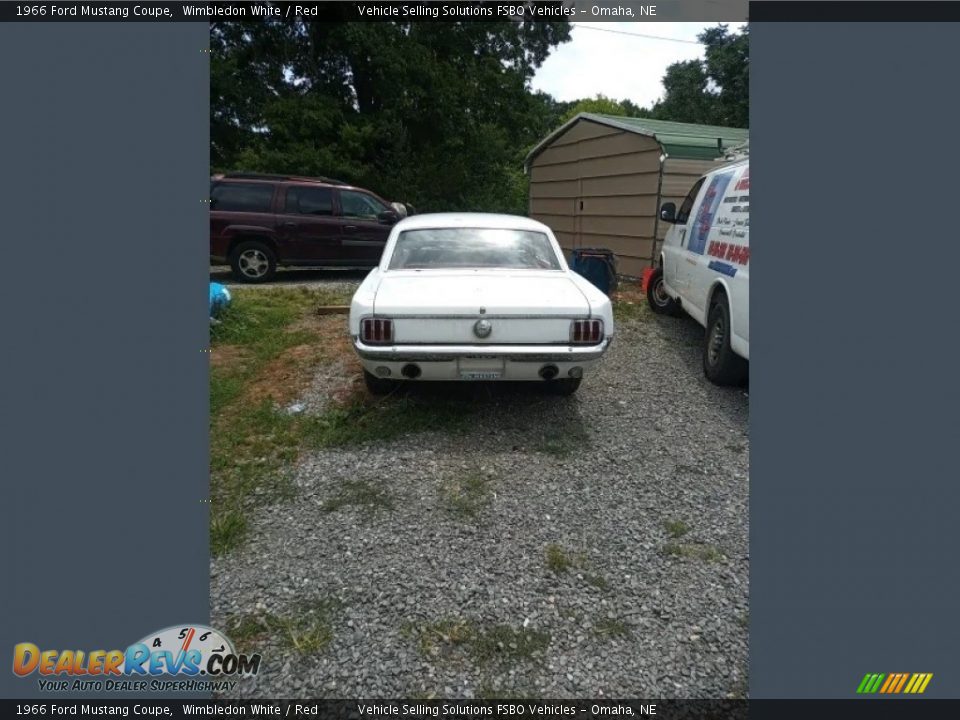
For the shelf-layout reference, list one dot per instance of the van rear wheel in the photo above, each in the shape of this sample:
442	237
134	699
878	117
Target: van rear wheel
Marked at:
720	364
657	298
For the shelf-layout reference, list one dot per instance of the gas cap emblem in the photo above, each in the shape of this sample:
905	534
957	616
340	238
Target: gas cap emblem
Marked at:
482	328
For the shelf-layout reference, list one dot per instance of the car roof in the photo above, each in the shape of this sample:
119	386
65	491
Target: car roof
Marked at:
471	220
275	177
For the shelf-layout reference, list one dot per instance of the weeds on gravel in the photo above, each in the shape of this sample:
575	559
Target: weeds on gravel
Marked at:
629	310
611	628
307	631
562	443
379	421
490	689
706	553
503	642
227	529
676	528
484	645
558	560
468	496
247	455
598	581
359	493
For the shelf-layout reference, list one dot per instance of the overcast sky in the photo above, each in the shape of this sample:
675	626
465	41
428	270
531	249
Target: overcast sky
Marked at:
622	67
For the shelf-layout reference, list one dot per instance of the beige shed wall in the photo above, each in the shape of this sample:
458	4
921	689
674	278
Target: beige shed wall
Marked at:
596	186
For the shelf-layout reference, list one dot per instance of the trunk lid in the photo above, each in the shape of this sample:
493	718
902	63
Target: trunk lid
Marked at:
523	307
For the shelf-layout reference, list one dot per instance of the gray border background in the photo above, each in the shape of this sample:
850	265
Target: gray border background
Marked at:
854	391
104	140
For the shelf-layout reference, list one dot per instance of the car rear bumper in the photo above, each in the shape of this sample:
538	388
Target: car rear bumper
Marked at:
509	353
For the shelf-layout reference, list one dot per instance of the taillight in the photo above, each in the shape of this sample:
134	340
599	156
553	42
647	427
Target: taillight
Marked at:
376	331
586	332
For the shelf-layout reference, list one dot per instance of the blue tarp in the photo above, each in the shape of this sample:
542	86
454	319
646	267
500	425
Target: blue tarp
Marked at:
219	298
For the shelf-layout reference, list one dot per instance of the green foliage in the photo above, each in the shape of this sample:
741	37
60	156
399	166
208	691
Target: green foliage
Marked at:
715	91
437	114
602	105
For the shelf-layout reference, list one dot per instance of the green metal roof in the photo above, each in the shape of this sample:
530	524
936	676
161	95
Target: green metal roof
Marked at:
678	140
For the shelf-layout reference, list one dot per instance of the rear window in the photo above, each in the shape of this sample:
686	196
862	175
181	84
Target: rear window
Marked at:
241	197
442	248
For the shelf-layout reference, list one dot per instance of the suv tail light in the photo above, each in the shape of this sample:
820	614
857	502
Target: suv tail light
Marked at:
376	331
586	332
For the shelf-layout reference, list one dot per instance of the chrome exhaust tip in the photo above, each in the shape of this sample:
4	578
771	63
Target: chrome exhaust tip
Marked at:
411	371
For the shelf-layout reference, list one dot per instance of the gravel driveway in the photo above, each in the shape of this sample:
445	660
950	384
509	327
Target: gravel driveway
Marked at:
591	546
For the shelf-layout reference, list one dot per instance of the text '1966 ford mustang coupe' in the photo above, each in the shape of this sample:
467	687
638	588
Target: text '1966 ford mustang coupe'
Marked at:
475	296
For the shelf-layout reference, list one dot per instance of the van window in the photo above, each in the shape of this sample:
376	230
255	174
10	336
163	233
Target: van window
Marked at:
683	214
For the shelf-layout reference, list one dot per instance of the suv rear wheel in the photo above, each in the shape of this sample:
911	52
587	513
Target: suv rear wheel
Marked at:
720	364
253	261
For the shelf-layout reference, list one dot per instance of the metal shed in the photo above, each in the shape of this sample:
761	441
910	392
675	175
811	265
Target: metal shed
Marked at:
598	180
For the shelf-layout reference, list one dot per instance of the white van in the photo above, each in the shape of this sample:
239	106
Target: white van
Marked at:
704	268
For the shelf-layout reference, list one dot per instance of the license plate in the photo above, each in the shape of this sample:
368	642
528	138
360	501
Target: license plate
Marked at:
481	368
479	375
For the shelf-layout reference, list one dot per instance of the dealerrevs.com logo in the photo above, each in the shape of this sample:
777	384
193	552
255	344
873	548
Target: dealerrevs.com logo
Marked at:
199	657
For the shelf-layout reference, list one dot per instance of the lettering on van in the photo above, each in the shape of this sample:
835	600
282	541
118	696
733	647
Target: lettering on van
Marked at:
739	254
744	182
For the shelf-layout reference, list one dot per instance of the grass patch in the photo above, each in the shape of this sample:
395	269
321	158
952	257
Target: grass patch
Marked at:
307	631
359	493
629	310
484	645
706	553
227	530
364	420
558	560
503	642
252	442
466	497
611	628
260	323
263	350
676	528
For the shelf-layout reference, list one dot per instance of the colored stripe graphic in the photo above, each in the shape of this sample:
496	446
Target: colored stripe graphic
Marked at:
903	680
894	683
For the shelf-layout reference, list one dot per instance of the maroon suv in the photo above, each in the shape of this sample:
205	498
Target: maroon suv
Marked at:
258	222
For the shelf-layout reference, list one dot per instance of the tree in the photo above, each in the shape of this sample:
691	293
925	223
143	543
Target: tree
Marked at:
714	91
602	105
439	114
